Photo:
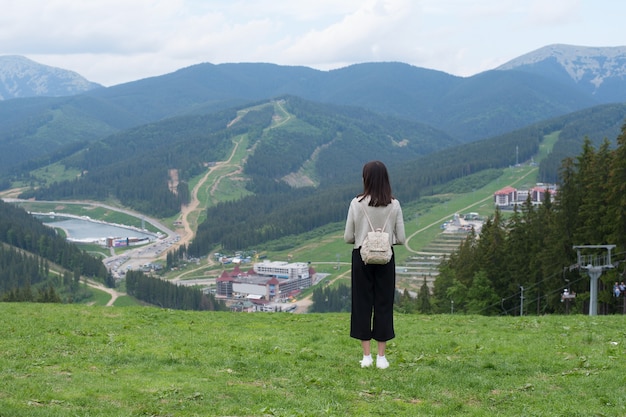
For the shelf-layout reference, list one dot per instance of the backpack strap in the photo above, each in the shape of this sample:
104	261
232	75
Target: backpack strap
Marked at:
370	222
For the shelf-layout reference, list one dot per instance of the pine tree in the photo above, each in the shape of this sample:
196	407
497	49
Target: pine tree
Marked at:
491	254
423	299
482	299
594	181
445	280
616	189
518	246
404	303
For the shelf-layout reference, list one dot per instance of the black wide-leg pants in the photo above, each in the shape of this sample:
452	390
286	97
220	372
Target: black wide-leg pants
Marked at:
373	291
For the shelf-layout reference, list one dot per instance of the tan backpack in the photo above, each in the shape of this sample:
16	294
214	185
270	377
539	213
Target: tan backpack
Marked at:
376	248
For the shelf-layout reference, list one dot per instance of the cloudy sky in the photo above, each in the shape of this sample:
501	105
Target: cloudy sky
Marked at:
115	41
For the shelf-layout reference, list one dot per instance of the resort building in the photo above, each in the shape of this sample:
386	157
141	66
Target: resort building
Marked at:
267	281
508	197
505	197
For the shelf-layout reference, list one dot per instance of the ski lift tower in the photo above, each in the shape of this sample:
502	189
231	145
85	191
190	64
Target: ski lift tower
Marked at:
594	264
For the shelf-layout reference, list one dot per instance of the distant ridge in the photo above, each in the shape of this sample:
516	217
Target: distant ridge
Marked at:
547	83
602	61
597	70
21	77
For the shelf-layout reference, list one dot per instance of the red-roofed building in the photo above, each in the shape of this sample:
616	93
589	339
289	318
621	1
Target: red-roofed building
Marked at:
538	194
509	196
267	281
505	197
225	285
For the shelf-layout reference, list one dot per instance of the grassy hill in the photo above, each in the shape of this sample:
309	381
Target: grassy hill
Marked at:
68	360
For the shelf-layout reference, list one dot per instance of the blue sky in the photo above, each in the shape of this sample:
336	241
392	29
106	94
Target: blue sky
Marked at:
115	41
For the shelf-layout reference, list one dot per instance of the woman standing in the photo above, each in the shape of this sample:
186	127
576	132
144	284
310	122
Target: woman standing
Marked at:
373	286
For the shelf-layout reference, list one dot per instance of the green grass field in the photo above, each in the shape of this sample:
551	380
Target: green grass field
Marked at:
128	360
73	360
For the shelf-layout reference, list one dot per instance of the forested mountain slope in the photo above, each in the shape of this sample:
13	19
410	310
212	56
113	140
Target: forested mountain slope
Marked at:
449	103
35	128
327	144
467	109
22	77
133	165
596	124
278	212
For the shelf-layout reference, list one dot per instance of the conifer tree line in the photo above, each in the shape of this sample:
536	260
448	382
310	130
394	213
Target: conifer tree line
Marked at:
27	247
530	253
20	274
166	294
331	299
27	278
23	231
531	249
133	165
338	299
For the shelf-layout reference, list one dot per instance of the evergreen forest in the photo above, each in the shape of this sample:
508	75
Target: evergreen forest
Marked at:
529	254
533	249
27	250
167	294
132	166
530	249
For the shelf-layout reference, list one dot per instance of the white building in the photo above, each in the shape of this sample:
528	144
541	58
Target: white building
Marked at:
296	270
267	281
509	196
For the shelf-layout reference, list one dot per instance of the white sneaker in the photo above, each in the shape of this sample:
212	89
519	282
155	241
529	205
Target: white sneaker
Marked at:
381	362
367	361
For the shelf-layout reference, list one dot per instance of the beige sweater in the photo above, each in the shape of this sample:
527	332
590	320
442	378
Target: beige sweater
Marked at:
357	226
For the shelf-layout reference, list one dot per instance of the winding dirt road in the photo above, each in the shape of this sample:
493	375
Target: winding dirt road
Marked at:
193	205
113	293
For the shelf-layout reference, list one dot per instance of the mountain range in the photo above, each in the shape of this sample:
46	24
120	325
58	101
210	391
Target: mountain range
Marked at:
595	70
21	77
306	134
65	112
599	71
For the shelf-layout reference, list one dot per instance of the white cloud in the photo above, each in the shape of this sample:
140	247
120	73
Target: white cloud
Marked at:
374	31
112	41
554	12
82	27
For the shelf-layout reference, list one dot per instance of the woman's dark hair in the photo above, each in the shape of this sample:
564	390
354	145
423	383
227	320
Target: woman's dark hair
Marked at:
376	184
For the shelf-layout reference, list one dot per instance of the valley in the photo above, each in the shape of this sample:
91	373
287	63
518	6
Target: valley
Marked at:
417	261
223	180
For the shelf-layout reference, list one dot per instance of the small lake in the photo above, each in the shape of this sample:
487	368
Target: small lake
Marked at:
81	229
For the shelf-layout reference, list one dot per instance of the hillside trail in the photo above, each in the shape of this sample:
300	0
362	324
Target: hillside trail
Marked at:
193	206
447	216
112	292
99	286
12	193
